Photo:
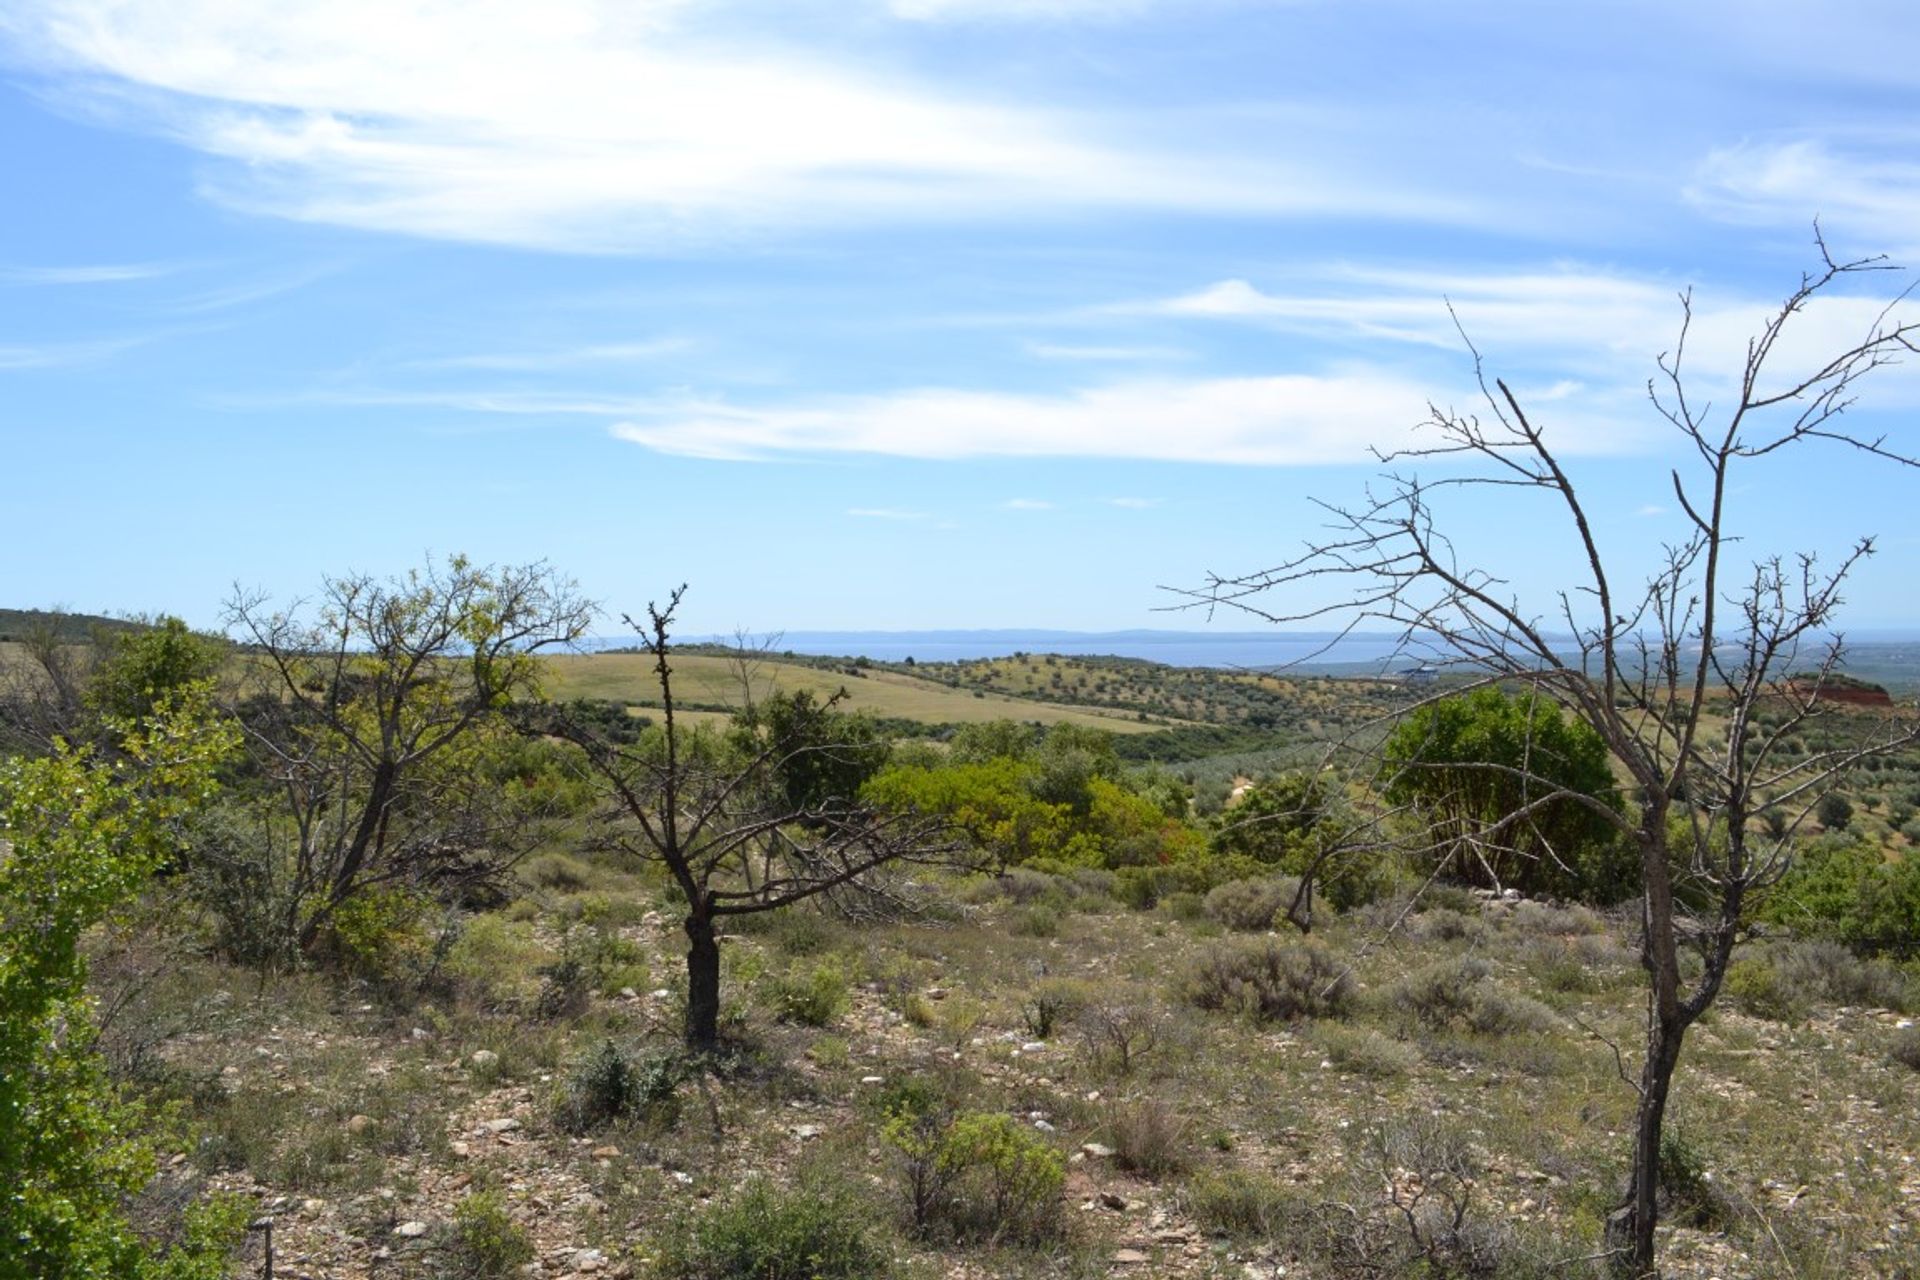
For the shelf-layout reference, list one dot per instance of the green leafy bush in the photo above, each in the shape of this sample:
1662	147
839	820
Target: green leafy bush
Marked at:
82	837
764	1232
1002	1180
383	934
813	997
484	1242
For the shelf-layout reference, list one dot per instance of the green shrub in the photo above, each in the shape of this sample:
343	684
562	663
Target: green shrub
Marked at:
1183	906
1237	1204
1250	905
1835	811
1692	1198
1365	1052
1270	981
1441	994
384	934
1050	1005
1037	921
1755	986
82	840
1142	887
1906	1048
611	1085
1448	925
764	1232
1829	973
497	959
813	998
1001	1180
484	1242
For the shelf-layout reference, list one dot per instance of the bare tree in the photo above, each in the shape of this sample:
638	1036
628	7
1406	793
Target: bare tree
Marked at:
1671	669
362	711
43	684
717	817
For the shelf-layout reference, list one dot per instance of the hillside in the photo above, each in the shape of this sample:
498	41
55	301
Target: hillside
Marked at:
709	682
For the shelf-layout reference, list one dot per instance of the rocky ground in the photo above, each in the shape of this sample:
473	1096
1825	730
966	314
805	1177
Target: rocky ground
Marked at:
359	1116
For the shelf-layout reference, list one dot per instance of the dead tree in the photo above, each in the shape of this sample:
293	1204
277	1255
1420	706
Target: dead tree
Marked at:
1645	658
713	813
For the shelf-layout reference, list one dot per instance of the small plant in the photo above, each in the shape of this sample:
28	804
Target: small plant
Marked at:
483	1241
610	1085
1239	1205
1688	1186
1117	1035
1365	1052
1050	1005
813	998
1271	981
1036	921
1149	1137
766	1232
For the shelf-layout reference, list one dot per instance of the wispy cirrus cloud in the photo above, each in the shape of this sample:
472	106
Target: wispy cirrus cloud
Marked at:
590	125
1298	420
610	353
1106	354
1873	197
97	273
886	513
1017	10
1027	504
1606	328
60	355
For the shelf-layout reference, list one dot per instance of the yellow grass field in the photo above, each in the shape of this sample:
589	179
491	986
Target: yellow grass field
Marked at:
628	677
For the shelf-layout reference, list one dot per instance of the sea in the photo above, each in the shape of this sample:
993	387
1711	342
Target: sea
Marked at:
1307	651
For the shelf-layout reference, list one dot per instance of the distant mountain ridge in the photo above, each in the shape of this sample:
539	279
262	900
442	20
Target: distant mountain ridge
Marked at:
17	624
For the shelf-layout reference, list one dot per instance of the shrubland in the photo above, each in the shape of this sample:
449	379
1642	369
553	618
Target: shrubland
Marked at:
1110	1032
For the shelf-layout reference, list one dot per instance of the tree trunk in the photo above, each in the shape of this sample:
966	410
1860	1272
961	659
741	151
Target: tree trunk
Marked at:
703	982
1629	1231
1630	1227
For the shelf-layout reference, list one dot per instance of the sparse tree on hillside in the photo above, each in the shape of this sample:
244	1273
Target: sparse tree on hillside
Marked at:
360	718
724	818
1668	664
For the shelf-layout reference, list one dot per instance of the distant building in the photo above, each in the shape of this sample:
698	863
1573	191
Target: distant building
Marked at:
1421	675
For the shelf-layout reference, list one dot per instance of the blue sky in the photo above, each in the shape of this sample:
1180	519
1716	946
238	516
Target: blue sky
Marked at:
902	313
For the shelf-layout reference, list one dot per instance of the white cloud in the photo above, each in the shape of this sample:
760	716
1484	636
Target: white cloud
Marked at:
1022	10
1262	421
60	355
1133	504
1027	504
1115	354
1608	329
1874	199
102	273
600	126
565	358
885	513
